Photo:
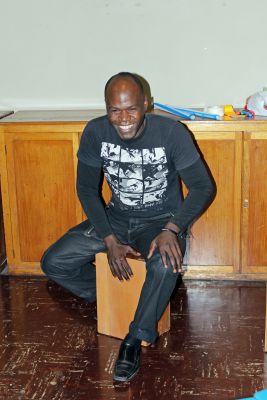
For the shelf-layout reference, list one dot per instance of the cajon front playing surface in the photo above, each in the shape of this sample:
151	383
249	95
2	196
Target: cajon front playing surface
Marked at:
117	300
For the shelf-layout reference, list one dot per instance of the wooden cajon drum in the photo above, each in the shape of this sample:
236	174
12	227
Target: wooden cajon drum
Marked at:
117	300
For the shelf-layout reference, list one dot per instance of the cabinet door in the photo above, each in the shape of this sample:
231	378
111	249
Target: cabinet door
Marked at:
254	210
2	236
214	247
41	187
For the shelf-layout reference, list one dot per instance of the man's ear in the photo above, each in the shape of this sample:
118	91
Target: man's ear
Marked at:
145	103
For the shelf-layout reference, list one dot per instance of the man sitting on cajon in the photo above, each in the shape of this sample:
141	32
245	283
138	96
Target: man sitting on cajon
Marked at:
142	156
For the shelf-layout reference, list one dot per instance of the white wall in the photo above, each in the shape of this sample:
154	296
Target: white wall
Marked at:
59	53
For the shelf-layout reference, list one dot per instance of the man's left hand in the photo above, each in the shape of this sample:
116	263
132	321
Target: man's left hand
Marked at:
168	246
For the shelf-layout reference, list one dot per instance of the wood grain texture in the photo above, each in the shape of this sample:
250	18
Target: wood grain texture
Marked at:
42	180
255	203
215	236
2	234
50	348
224	243
117	300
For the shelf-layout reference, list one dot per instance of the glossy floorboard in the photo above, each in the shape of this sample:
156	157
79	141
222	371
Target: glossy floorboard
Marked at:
50	349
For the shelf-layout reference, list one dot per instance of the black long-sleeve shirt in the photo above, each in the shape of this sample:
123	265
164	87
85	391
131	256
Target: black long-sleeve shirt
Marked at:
201	190
142	173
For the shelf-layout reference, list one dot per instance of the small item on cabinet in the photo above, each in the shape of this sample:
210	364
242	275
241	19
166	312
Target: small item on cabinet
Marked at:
215	110
172	110
249	114
187	112
257	103
201	114
229	111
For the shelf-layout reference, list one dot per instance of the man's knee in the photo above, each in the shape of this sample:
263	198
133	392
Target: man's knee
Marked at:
48	264
156	267
55	264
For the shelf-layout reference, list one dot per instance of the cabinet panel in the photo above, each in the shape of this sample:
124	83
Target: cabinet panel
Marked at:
42	195
2	235
215	241
255	203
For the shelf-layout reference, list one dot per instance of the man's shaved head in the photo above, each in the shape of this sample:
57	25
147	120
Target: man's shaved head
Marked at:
126	75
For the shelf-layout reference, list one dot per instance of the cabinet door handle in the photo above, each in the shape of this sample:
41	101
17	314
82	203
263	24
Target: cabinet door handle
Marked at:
245	203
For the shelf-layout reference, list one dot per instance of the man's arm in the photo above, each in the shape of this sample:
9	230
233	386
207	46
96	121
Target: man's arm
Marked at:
88	180
201	191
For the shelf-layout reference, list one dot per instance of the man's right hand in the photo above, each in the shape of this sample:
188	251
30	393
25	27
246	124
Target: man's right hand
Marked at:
117	257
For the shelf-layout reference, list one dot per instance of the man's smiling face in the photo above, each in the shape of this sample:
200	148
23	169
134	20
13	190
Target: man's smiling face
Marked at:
126	107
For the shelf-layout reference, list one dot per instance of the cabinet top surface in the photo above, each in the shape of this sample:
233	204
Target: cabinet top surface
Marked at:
54	116
83	116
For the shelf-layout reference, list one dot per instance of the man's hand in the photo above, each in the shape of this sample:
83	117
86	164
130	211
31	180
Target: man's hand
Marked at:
169	248
117	257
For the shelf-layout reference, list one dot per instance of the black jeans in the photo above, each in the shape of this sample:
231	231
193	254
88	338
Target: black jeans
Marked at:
68	262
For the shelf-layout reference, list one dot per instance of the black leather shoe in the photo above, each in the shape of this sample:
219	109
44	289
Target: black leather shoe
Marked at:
127	364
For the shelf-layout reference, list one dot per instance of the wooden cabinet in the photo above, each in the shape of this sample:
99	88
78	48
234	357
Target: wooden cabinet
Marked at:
254	207
38	164
229	240
214	245
38	186
41	185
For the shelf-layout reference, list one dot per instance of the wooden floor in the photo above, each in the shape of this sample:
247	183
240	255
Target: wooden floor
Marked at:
50	349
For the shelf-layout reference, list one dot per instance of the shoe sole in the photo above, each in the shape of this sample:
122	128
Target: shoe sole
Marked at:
119	379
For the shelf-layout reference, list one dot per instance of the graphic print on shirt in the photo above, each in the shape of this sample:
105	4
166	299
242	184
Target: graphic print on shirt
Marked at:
138	178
